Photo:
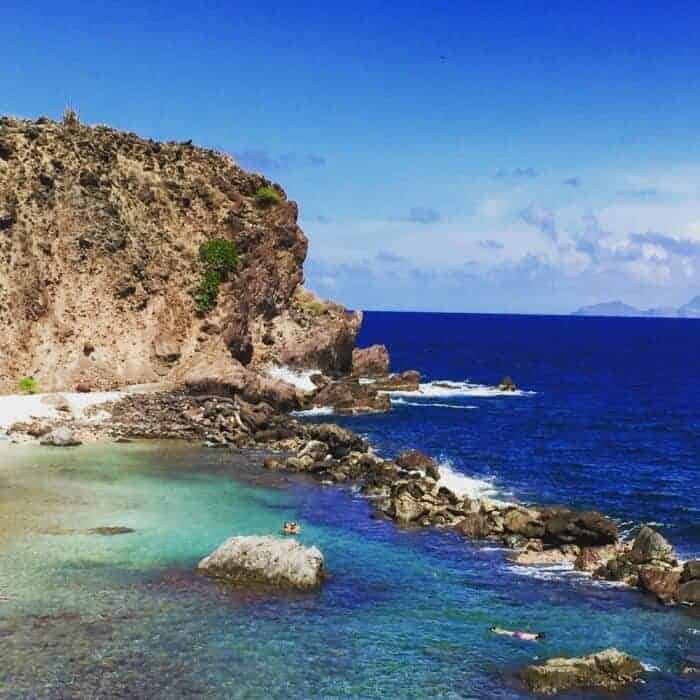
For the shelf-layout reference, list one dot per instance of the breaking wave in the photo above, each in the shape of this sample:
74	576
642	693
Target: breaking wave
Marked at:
428	404
446	388
300	378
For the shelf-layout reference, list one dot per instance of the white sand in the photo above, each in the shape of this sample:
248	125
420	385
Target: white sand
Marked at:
16	408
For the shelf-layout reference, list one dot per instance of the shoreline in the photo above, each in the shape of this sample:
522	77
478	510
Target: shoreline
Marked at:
411	489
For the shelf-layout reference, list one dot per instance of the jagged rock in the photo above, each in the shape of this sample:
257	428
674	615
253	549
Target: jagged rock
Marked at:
620	568
474	526
691	570
405	381
265	559
371	361
349	396
584	528
60	437
593	558
525	522
608	670
415	459
507	384
406	508
650	546
689	592
340	441
663	583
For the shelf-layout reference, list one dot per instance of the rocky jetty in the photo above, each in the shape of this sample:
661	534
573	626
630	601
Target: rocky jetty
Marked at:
268	560
609	670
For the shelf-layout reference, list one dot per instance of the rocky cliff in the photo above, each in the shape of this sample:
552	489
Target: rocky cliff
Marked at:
100	264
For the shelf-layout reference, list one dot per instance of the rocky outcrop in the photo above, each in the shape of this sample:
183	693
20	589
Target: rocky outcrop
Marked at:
689	584
371	361
608	670
268	560
651	564
100	235
349	396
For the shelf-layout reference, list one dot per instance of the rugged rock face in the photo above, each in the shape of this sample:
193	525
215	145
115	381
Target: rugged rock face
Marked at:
609	670
271	560
371	361
100	233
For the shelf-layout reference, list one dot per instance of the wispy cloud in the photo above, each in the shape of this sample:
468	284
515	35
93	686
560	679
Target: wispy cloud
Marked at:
681	247
489	244
422	215
644	193
516	173
573	182
260	160
542	219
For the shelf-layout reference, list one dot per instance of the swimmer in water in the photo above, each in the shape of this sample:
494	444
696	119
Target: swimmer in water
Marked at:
529	636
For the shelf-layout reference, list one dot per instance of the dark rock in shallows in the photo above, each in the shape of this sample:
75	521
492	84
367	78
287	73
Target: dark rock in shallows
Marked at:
609	670
110	530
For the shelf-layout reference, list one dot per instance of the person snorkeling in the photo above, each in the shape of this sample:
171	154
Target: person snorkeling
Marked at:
528	636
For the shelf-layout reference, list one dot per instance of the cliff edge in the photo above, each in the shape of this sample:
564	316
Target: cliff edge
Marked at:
103	281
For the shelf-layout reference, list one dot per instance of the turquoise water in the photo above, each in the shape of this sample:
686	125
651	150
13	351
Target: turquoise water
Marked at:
405	613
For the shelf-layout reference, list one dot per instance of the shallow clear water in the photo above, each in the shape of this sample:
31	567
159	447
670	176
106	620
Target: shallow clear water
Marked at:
613	424
405	613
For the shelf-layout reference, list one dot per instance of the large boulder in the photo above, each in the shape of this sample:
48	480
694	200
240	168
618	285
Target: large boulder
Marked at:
663	583
417	460
650	546
583	528
340	441
691	570
609	670
405	381
60	437
474	526
349	396
689	592
593	558
371	361
525	522
265	559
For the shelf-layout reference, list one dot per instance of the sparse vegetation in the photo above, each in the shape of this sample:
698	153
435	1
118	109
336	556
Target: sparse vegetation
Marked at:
28	385
267	196
70	117
219	258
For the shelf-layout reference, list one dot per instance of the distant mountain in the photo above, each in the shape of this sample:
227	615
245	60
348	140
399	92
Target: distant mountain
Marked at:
691	309
608	308
618	308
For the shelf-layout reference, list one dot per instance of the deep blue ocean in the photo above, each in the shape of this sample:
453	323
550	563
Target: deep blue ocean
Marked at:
608	417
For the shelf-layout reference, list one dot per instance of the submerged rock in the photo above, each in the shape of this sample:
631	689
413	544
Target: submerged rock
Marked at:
607	670
60	437
265	559
110	530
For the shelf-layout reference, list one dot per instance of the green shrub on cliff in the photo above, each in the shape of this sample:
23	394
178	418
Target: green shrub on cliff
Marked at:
267	196
28	385
219	258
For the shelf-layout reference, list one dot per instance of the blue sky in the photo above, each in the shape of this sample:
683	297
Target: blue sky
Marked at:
453	156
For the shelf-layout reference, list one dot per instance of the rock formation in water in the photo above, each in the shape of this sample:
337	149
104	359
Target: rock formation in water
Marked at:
270	560
103	282
609	670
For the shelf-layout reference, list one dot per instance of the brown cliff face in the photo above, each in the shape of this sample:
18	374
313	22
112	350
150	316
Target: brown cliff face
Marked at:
99	238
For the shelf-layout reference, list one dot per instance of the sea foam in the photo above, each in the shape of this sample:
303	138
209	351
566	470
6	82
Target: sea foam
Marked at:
300	378
446	388
463	485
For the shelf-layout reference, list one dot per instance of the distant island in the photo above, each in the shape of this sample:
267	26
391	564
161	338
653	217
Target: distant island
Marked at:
618	308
